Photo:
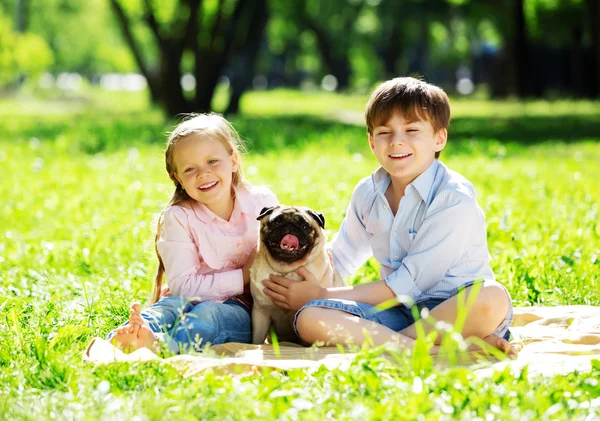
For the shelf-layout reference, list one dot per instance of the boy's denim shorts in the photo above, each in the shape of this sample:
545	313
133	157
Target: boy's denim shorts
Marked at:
400	317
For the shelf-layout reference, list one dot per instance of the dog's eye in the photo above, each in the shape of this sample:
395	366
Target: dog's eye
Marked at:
277	219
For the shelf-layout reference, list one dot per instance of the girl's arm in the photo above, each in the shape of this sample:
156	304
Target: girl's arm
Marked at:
181	258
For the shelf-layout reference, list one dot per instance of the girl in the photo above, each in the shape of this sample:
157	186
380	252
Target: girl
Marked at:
205	245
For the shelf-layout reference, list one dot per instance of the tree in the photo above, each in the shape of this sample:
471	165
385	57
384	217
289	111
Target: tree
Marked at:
520	48
593	9
206	30
246	52
23	54
332	24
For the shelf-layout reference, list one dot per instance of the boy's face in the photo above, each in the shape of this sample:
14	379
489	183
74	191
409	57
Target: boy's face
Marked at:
405	149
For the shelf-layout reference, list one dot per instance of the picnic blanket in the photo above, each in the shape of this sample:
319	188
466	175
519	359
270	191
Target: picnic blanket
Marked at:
554	340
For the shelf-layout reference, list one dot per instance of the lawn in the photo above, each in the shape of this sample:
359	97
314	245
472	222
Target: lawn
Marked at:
83	183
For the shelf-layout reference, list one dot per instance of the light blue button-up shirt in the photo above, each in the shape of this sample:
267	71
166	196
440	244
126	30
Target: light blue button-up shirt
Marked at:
435	243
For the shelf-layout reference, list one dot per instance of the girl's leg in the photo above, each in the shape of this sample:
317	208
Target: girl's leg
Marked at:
144	327
216	323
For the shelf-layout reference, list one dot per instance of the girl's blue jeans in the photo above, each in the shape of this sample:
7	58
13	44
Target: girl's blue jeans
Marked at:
184	326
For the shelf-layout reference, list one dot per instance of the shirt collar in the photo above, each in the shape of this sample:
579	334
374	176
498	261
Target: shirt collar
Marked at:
422	183
241	207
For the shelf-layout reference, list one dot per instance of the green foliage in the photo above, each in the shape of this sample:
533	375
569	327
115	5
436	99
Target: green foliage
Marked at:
83	182
21	54
71	36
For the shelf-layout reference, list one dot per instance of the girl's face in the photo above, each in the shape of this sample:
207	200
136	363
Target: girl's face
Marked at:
205	168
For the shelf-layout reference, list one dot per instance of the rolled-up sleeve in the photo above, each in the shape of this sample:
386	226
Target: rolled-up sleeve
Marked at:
351	247
181	258
442	239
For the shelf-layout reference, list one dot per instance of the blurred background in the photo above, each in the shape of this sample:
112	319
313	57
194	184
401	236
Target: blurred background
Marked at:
89	89
199	55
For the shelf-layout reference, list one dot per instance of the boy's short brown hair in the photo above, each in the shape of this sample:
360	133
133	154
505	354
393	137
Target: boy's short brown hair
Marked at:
414	99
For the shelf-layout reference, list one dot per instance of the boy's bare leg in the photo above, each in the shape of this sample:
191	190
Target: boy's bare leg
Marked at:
487	311
137	334
317	324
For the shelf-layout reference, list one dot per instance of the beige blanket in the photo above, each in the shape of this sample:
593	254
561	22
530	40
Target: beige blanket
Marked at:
554	340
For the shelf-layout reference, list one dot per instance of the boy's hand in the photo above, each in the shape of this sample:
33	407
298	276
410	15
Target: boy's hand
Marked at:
292	295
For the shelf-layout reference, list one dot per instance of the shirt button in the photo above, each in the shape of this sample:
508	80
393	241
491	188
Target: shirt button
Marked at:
396	257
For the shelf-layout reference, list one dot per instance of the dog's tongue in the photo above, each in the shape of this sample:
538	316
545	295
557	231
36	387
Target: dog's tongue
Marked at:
289	242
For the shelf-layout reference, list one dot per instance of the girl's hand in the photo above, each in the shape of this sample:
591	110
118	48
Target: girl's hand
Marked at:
292	295
246	268
165	292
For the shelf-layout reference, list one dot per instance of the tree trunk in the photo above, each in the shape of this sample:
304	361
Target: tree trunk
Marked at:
594	22
171	91
246	63
576	66
390	53
211	63
125	26
422	60
165	83
336	64
23	15
207	76
23	11
521	50
340	68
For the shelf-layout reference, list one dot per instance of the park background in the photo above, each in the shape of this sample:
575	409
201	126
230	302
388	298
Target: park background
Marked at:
89	90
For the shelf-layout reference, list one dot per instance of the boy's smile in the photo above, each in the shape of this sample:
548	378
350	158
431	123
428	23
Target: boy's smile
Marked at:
400	156
405	149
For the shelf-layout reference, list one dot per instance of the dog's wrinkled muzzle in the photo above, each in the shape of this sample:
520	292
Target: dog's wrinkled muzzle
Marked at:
289	243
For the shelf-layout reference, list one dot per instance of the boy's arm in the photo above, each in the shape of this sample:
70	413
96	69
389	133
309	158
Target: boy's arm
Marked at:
441	240
293	295
350	247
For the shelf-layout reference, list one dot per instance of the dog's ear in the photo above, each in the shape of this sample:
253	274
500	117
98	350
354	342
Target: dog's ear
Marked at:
318	217
266	212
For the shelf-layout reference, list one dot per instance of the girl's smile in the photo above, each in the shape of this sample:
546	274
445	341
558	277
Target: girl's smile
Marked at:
204	167
208	186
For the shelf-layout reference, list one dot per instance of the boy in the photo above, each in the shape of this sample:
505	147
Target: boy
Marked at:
422	223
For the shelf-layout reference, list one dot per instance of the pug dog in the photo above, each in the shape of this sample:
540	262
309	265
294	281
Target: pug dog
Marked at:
289	237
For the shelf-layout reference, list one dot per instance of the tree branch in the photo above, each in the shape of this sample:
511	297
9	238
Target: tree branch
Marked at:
216	29
153	24
193	25
125	26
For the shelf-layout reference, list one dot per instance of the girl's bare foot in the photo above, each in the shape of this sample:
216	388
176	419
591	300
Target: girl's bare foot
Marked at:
137	334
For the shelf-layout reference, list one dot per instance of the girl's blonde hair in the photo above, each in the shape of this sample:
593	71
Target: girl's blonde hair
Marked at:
215	127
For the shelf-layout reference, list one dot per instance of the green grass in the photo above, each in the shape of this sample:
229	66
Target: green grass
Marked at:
83	181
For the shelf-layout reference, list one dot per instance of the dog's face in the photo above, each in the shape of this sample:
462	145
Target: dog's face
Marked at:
289	232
